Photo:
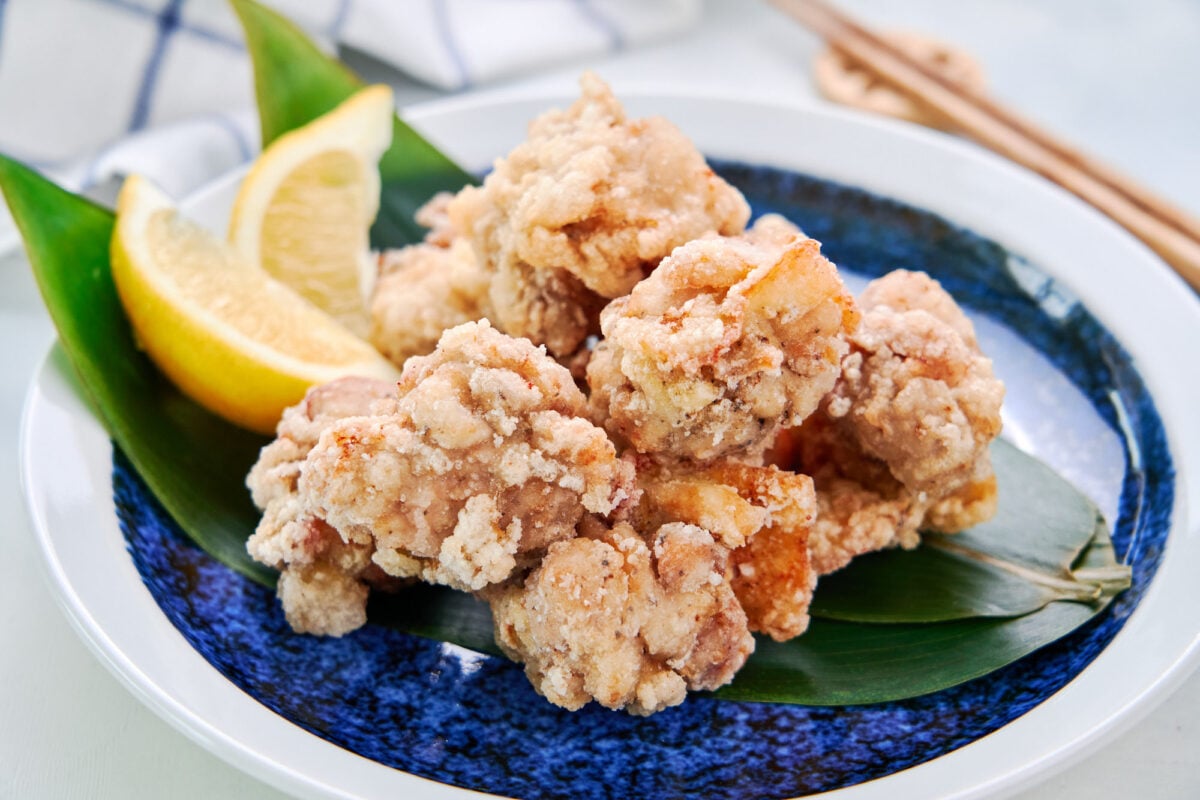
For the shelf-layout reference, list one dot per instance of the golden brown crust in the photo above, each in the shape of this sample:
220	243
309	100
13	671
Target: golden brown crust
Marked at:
424	290
583	210
435	215
901	441
763	513
967	506
290	537
486	460
629	623
915	391
462	474
730	339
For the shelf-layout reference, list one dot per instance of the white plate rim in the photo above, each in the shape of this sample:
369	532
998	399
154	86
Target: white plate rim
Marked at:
1023	757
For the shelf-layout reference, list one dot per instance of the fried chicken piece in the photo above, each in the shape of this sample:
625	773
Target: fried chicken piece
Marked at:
435	215
424	290
973	503
547	306
628	622
728	341
486	460
583	210
764	513
901	443
323	581
915	390
275	473
861	508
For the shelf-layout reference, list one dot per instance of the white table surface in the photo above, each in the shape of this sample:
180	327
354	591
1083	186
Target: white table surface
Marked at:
1118	77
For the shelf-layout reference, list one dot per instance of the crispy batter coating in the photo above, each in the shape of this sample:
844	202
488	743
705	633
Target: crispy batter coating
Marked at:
860	506
627	622
729	340
972	503
901	443
764	513
547	306
323	578
583	210
625	580
275	473
435	215
486	460
915	391
422	291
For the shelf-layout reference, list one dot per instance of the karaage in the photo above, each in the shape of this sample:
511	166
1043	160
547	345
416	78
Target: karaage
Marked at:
631	623
728	341
901	442
324	578
583	210
424	290
763	514
487	459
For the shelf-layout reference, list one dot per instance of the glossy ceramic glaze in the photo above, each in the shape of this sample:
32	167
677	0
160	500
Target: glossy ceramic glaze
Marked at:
473	721
1075	399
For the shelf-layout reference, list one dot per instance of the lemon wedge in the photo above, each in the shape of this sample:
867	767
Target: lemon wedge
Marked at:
304	210
229	336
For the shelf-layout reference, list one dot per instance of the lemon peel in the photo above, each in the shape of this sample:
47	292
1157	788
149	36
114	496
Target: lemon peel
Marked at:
232	338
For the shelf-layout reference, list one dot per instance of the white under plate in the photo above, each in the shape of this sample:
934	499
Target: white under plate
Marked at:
67	459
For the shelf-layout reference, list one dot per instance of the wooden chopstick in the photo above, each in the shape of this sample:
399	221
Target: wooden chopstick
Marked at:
1169	231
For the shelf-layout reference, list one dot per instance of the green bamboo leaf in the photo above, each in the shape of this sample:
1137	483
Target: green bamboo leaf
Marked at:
194	462
834	663
846	663
839	662
436	612
295	83
851	663
1017	562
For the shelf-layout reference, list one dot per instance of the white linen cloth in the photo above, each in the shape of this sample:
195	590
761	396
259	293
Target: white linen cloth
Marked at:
95	88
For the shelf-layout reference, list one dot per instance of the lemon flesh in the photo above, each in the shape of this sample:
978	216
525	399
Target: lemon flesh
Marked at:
304	211
228	335
313	234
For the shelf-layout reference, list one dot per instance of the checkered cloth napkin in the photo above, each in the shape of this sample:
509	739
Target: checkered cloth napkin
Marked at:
95	88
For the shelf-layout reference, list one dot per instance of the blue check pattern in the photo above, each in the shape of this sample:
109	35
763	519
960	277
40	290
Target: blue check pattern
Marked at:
134	84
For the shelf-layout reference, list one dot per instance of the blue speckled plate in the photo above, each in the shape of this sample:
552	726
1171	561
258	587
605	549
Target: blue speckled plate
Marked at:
361	716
